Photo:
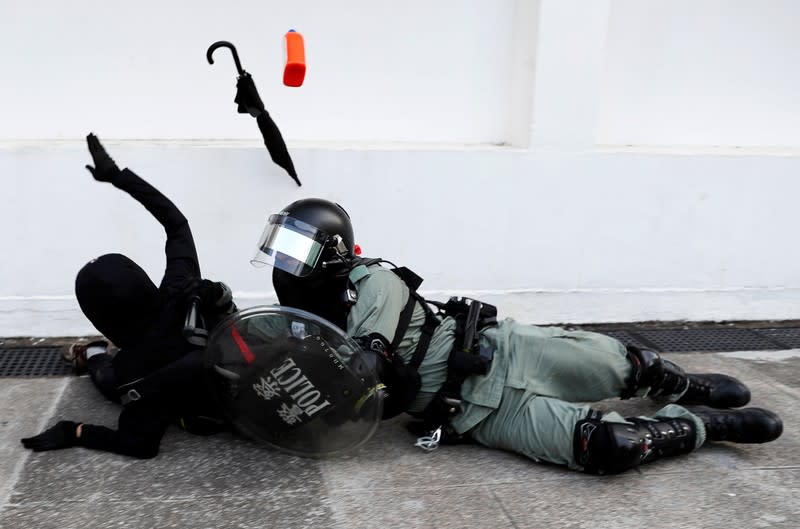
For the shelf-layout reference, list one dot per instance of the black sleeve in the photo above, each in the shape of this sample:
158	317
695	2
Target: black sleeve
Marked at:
139	432
182	261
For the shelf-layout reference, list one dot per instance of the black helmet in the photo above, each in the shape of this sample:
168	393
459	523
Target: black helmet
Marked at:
307	236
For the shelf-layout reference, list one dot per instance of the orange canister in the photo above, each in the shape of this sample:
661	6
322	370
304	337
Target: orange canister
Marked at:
295	70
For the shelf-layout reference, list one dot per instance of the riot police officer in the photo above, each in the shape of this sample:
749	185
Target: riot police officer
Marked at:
503	384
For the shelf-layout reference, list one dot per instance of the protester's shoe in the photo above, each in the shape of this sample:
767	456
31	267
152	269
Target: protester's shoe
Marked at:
75	355
747	425
715	390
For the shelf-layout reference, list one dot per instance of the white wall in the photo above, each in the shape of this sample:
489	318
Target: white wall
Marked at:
377	70
710	72
564	228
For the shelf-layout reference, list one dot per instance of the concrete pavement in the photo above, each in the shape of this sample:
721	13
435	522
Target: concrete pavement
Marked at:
225	481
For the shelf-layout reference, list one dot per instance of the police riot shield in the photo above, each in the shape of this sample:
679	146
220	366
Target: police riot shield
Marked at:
294	381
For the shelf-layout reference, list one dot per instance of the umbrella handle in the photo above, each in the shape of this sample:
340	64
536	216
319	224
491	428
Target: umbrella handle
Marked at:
225	44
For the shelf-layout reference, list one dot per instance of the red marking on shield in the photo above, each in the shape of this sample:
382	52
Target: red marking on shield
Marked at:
247	354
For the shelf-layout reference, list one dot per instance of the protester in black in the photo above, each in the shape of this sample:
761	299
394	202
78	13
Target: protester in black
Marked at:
145	322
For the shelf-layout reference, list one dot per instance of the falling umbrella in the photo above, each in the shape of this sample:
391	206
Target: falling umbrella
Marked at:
250	103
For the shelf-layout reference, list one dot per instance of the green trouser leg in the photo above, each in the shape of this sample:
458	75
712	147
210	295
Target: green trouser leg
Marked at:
574	366
543	428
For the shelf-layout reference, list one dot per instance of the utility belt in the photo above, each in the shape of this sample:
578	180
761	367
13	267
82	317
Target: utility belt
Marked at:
472	316
467	357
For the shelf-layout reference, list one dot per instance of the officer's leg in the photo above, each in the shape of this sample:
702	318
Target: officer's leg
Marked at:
581	438
540	428
575	366
579	366
610	447
662	379
554	431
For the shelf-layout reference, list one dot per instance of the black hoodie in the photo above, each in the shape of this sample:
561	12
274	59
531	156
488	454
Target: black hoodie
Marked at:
146	322
118	298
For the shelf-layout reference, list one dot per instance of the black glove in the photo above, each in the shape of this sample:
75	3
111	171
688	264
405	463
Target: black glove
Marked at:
62	435
215	297
104	170
247	96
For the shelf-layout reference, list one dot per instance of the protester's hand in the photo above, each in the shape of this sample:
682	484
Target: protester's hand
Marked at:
62	435
104	170
247	96
214	296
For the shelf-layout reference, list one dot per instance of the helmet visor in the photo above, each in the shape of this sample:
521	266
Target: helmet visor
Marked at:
289	244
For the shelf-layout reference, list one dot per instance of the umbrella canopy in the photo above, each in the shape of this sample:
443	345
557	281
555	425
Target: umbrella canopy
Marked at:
249	102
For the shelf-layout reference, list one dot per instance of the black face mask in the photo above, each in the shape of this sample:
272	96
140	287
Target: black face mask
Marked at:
321	294
118	297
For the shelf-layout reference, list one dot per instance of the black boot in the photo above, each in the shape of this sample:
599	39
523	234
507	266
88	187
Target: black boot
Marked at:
748	425
665	379
715	390
665	437
610	448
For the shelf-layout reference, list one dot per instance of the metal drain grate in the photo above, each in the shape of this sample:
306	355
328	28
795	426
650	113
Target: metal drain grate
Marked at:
711	340
628	338
45	361
787	338
33	362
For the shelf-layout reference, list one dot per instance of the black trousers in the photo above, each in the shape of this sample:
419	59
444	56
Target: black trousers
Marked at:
182	376
101	371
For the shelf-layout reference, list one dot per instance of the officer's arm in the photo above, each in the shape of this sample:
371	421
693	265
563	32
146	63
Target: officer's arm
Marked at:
139	433
381	298
372	322
182	261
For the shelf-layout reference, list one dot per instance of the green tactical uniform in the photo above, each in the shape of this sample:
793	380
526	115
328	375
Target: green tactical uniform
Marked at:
525	403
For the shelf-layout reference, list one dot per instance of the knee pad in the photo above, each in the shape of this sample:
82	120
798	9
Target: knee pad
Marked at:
606	447
611	448
647	370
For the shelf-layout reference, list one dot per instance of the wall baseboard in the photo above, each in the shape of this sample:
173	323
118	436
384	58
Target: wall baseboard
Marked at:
61	316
